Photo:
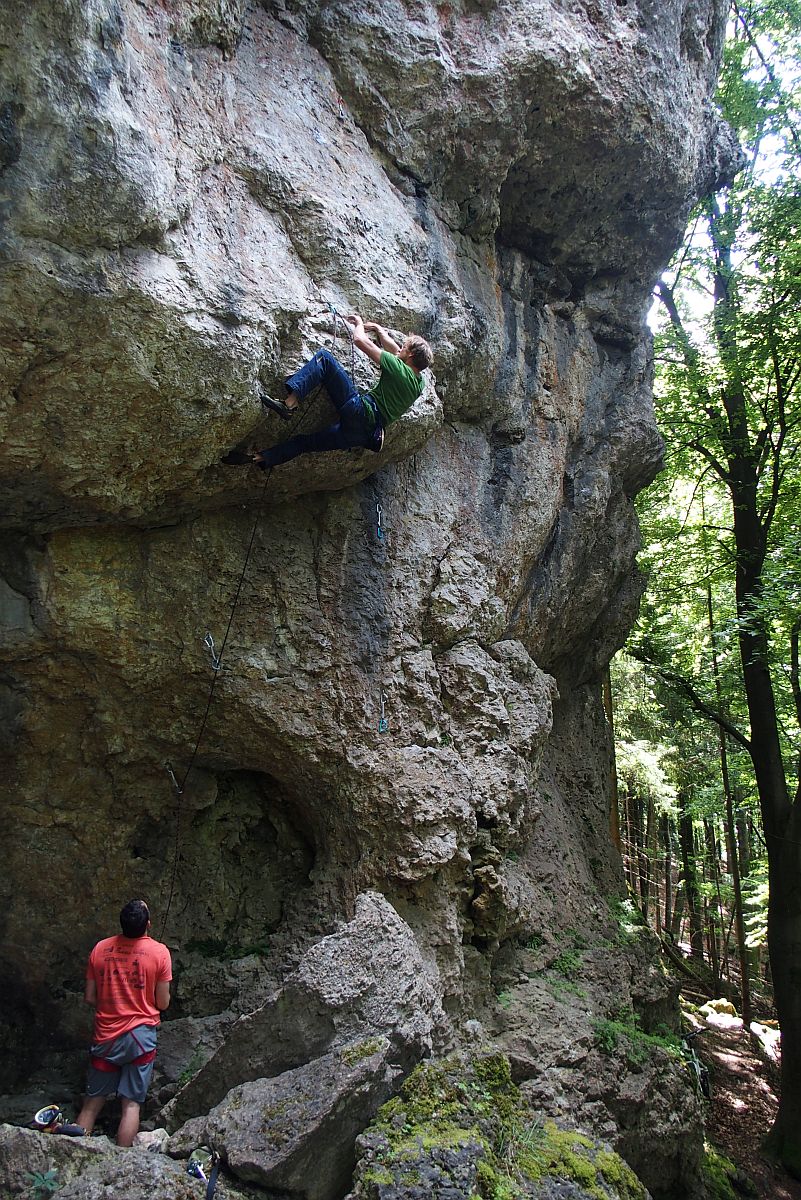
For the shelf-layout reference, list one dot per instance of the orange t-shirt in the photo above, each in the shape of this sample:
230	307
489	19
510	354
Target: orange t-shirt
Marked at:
126	971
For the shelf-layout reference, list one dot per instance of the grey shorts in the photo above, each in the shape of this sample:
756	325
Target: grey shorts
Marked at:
123	1065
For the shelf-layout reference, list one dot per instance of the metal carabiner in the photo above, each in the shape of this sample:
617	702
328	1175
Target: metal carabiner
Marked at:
379	531
175	783
216	661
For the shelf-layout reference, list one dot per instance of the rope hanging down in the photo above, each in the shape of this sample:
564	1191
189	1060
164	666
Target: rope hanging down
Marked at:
208	641
216	663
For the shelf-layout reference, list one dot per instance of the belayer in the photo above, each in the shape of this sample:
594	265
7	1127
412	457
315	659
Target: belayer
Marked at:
128	985
362	416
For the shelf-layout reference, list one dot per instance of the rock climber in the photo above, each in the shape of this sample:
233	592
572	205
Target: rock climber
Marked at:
363	417
128	985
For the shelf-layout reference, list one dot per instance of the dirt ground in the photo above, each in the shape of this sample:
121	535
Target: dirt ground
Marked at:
742	1108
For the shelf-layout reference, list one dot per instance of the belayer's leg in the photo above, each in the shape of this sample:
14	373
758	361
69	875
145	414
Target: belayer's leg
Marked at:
129	1122
89	1113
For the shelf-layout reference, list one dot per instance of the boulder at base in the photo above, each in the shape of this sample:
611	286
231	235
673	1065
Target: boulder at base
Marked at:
298	1131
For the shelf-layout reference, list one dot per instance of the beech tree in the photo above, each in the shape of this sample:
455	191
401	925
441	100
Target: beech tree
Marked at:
729	406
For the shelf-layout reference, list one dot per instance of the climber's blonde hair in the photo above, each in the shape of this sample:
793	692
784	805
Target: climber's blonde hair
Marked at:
419	352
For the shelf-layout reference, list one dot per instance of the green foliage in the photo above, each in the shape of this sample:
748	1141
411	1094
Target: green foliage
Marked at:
569	963
628	919
721	540
43	1183
622	1030
228	951
192	1067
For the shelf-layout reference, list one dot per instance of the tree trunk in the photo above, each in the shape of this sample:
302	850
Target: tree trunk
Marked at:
678	913
780	820
667	836
743	835
653	855
614	794
687	840
645	859
731	843
712	921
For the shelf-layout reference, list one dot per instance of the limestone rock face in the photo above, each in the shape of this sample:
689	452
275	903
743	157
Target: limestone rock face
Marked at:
408	702
364	982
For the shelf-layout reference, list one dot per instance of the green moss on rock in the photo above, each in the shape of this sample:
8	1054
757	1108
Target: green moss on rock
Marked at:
722	1179
462	1122
356	1053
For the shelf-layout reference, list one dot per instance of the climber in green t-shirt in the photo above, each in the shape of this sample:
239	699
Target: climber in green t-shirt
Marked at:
363	417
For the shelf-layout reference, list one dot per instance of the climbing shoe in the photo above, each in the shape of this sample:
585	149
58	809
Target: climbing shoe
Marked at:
237	458
70	1130
271	404
47	1118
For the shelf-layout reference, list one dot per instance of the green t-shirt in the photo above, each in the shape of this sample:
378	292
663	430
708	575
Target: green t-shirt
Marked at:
397	389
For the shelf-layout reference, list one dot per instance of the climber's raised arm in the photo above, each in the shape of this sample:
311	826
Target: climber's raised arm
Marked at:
361	341
387	342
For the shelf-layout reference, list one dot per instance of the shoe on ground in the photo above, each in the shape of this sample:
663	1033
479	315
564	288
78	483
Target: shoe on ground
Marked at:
70	1130
271	404
237	458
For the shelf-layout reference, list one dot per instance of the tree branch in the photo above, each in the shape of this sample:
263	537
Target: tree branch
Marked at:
710	458
771	74
700	705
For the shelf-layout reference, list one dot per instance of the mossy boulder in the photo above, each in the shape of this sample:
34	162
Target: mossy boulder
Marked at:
722	1179
461	1128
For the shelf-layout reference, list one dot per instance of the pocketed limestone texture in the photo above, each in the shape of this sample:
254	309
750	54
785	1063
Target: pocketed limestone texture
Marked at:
191	192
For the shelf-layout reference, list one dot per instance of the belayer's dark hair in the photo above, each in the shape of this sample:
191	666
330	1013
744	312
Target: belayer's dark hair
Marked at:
134	918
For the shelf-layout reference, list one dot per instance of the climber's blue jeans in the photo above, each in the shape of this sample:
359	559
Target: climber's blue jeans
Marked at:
355	424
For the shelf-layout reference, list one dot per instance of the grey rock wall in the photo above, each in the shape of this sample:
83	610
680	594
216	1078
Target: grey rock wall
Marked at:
187	188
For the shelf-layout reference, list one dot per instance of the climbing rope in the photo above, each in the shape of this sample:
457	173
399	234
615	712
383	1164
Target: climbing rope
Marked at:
216	664
217	657
337	315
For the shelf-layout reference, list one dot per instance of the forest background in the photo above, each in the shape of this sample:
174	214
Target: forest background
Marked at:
707	693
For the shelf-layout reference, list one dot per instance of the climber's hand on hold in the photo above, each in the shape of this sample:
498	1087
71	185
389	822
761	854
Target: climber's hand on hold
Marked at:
384	337
361	341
